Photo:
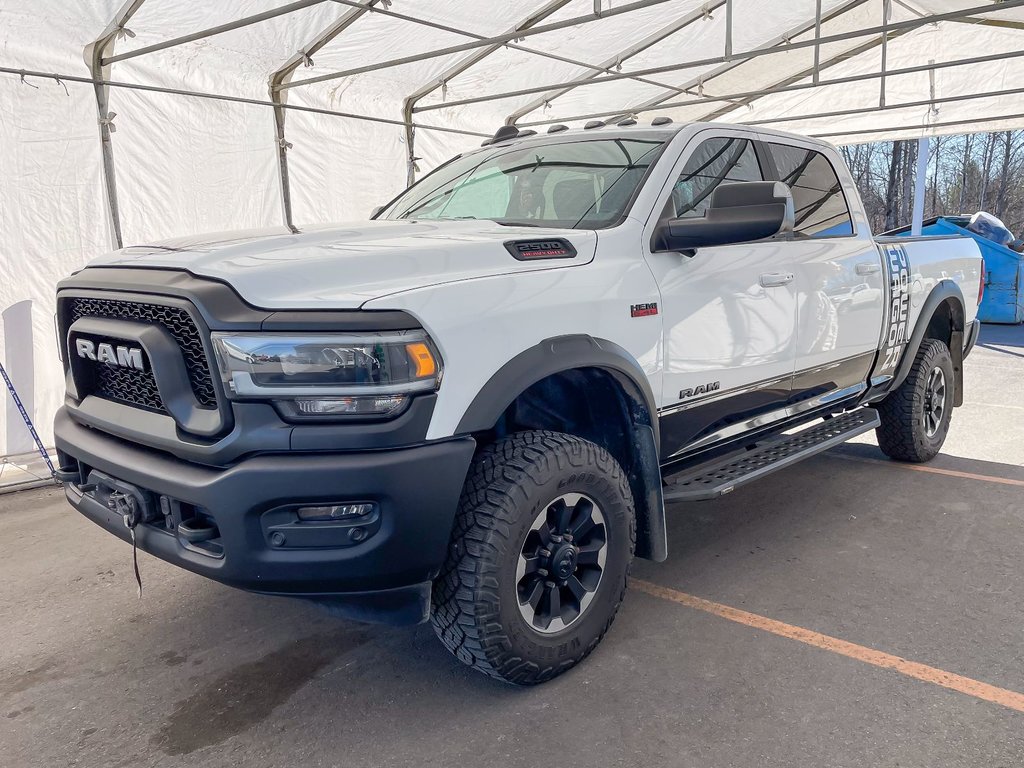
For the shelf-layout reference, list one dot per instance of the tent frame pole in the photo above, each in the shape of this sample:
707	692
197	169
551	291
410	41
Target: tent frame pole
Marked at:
923	145
485	39
280	98
791	88
66	78
708	77
298	5
409	103
498	39
887	108
746	55
93	53
622	56
817	36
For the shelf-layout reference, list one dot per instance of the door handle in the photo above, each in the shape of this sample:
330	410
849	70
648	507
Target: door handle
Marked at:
775	279
868	268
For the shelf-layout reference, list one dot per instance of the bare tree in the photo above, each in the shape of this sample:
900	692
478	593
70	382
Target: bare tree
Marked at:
966	173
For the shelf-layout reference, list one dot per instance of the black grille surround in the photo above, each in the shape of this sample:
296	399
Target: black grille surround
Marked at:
138	388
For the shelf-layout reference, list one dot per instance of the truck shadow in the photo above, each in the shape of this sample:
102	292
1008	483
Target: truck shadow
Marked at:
993	337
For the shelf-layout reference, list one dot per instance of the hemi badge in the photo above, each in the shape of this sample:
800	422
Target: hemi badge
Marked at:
643	310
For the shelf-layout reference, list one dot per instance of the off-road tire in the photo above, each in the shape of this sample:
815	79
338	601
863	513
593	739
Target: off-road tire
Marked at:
902	434
475	611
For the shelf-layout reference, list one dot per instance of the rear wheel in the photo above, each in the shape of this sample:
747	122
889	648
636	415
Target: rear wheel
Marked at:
539	557
915	417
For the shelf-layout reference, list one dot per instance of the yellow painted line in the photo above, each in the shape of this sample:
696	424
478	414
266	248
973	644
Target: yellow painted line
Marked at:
931	470
959	683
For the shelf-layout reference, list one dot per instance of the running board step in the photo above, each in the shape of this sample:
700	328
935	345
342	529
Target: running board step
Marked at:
726	473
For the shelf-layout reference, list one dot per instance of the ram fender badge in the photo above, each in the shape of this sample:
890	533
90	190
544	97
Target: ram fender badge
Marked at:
700	389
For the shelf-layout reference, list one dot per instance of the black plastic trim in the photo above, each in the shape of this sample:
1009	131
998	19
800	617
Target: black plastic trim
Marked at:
221	306
565	353
416	490
551	356
115	412
166	362
973	331
943	290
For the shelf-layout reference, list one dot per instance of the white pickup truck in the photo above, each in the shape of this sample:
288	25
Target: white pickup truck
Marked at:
475	407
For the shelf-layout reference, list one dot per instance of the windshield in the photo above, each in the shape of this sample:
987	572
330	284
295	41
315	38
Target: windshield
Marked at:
584	184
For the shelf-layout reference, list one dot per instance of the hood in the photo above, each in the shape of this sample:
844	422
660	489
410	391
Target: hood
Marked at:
345	265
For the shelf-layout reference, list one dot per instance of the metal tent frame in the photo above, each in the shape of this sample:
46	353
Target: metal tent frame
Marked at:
100	58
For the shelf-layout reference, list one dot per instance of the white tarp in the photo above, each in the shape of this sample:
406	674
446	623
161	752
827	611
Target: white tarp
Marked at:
185	164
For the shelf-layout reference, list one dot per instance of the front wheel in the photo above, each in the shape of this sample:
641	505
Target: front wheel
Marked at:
915	416
539	556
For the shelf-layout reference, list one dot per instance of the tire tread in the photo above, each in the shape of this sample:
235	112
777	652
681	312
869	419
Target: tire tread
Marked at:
465	598
899	435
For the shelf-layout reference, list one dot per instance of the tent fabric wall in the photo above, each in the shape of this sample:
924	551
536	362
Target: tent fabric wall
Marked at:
185	164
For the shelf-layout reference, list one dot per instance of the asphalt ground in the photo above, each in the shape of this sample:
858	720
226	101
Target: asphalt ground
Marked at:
847	612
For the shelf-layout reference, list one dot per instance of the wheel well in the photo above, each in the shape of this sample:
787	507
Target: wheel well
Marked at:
947	318
597	405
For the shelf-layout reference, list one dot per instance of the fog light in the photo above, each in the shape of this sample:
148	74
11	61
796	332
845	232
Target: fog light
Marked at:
379	405
335	511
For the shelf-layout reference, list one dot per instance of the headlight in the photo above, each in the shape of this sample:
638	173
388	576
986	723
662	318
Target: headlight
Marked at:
316	375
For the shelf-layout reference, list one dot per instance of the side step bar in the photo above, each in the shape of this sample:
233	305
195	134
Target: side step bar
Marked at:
726	473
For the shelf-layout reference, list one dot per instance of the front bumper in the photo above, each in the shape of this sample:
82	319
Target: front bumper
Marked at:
383	575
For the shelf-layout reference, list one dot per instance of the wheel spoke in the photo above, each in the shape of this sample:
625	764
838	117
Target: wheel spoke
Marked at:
544	534
590	554
536	592
576	587
562	516
583	521
554	604
531	564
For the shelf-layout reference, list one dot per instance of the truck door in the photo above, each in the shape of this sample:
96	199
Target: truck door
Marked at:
729	312
839	276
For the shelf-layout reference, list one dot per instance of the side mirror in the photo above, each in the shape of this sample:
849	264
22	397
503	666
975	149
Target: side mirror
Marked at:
740	212
375	211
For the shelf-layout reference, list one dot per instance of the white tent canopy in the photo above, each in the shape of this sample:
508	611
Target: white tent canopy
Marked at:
185	117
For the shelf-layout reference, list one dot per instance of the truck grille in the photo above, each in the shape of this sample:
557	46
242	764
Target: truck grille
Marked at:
139	388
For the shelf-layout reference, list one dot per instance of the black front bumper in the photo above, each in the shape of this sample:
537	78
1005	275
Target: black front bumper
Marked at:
384	576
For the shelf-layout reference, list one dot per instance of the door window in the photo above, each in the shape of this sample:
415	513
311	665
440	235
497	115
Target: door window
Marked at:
821	209
712	162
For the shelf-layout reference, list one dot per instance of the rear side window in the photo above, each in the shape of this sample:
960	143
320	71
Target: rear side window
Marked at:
821	209
712	162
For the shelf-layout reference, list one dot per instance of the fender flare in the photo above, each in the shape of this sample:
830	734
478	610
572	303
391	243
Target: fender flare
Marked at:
943	291
551	356
566	353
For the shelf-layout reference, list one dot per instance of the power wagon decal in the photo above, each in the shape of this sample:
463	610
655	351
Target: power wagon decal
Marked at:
898	315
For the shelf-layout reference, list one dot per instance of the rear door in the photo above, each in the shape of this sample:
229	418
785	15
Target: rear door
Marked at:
729	311
839	274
